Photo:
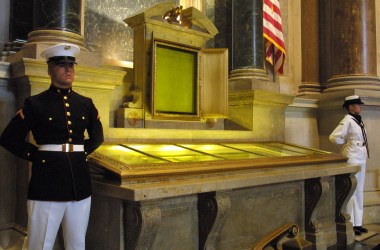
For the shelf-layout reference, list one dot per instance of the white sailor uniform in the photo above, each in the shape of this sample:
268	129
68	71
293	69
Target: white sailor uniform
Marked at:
351	133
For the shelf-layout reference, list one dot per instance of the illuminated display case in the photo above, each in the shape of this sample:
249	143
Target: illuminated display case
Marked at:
141	161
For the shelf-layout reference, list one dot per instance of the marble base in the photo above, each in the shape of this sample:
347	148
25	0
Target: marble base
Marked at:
262	112
352	82
12	238
222	211
55	37
252	83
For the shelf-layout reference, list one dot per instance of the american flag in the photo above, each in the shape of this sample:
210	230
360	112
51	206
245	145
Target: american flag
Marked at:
272	31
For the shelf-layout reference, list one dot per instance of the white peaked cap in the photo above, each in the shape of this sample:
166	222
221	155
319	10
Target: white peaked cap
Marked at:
63	49
352	97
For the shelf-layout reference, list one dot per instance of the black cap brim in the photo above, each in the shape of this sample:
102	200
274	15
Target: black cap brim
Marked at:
62	59
350	102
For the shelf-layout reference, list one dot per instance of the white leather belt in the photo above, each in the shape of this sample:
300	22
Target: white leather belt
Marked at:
61	147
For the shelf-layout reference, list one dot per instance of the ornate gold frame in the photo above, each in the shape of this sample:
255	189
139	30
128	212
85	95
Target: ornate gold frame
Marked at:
172	116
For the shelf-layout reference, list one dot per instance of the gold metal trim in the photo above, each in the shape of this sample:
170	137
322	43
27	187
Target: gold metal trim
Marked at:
142	171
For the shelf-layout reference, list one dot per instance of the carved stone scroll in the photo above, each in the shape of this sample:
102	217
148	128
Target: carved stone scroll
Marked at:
315	189
141	224
313	193
212	210
345	186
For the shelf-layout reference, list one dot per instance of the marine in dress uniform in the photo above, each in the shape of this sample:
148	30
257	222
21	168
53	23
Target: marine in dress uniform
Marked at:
352	134
60	186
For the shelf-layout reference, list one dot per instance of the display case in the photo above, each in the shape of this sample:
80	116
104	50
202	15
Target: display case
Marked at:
137	162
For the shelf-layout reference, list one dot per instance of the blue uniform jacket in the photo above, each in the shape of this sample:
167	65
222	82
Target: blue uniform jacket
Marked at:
56	116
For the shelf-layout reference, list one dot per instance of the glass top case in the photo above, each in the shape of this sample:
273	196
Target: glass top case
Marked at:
136	154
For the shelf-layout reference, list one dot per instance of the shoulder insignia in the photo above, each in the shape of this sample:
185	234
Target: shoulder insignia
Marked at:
98	117
21	114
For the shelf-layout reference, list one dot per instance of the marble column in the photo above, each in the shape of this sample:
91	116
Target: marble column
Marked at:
248	49
309	43
57	21
353	46
4	23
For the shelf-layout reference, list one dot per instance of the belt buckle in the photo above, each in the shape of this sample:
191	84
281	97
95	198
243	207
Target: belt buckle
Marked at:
67	147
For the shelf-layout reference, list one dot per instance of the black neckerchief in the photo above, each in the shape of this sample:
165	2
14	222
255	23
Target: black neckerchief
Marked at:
61	91
357	117
358	120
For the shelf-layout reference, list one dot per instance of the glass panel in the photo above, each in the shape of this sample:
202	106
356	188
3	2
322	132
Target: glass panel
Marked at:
175	79
172	153
262	149
126	155
301	150
222	151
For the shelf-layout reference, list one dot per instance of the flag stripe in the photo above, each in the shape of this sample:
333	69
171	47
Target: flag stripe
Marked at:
277	42
273	13
269	20
272	32
269	32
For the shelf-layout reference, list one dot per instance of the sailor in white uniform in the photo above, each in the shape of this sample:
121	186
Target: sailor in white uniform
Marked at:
351	133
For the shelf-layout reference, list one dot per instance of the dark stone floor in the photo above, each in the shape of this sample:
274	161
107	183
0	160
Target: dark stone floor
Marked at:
372	243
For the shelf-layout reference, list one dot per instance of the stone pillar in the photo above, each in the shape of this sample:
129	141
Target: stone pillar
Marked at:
248	48
309	43
57	21
4	22
353	46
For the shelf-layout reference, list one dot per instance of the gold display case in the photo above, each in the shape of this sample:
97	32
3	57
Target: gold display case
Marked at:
131	162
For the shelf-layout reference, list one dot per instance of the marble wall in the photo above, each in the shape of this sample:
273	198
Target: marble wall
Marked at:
104	29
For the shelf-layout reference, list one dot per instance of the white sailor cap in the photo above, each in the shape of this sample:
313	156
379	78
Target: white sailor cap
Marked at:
352	99
61	53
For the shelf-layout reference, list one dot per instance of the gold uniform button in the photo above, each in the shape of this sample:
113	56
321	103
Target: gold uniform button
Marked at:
68	113
70	140
50	119
83	117
70	131
43	161
67	105
65	97
69	122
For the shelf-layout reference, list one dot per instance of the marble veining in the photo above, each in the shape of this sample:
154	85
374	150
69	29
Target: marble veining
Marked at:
248	41
61	14
104	29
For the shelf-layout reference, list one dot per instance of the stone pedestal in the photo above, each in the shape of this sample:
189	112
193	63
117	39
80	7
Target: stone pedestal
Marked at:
260	111
220	211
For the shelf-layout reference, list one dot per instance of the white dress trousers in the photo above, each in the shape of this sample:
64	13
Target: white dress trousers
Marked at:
45	217
350	134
